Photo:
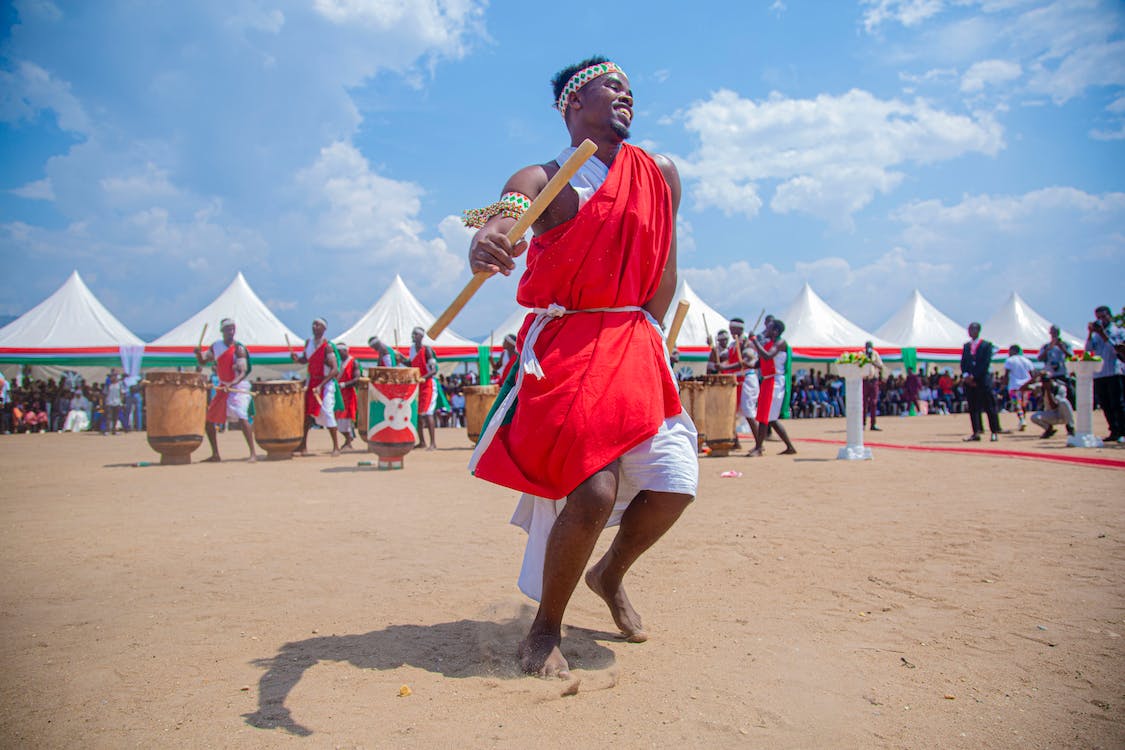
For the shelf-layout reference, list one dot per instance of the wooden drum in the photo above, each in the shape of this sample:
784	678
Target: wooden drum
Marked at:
478	402
362	401
720	403
279	417
691	396
176	408
392	413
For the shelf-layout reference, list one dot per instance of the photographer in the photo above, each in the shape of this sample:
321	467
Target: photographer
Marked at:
1107	341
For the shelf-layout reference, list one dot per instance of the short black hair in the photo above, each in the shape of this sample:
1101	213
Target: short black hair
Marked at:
780	326
1102	308
564	75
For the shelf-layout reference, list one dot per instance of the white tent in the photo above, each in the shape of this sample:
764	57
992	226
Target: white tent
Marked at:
255	326
71	327
1017	323
511	324
815	331
920	325
701	319
393	316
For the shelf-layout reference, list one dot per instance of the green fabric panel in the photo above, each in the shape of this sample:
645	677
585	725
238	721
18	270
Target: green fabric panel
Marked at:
910	357
484	364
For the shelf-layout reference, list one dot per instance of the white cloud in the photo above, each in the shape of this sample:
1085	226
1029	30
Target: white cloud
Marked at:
373	219
989	72
1014	212
906	12
867	293
29	90
40	190
204	153
1058	48
828	156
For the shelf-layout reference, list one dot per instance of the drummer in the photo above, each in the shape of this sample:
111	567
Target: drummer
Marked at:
322	392
349	376
383	353
232	395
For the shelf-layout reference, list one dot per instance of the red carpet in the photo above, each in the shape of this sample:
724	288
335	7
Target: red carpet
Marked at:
1105	463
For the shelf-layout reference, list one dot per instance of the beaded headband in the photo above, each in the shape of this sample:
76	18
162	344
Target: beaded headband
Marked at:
581	78
225	322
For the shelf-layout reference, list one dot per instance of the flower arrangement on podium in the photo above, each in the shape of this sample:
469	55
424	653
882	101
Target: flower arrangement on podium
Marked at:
1083	357
859	359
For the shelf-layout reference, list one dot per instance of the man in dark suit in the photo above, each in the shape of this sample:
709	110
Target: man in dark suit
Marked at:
976	361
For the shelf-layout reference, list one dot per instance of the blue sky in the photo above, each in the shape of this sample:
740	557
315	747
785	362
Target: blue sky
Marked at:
965	147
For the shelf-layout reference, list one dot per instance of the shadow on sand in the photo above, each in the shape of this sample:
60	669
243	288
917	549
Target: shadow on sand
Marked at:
465	648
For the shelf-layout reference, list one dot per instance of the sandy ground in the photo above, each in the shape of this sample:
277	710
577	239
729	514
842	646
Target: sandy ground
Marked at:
916	600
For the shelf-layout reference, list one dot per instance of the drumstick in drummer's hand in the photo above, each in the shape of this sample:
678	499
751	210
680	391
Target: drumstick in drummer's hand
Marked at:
289	344
756	322
202	336
677	323
533	212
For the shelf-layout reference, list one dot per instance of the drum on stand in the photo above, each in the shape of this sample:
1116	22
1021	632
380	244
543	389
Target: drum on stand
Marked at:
720	403
691	396
392	413
176	409
478	402
361	403
279	417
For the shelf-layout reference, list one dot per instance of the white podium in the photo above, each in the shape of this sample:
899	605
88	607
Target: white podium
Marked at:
1084	436
853	390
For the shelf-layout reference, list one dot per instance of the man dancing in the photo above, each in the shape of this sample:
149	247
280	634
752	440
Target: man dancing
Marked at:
322	392
423	357
232	396
771	360
597	417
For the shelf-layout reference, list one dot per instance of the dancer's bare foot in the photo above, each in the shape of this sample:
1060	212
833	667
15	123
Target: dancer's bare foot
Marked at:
213	460
539	654
335	452
252	459
431	447
626	618
788	452
754	452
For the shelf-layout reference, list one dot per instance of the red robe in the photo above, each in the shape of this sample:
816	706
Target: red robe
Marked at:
224	366
426	387
607	387
316	379
347	410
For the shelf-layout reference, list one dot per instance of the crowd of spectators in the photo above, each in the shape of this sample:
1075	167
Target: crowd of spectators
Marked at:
817	394
70	404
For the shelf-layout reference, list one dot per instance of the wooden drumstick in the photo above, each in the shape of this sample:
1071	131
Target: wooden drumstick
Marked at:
756	322
289	344
677	323
538	206
202	336
707	331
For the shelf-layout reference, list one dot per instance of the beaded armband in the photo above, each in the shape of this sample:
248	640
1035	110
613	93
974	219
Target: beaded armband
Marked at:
511	205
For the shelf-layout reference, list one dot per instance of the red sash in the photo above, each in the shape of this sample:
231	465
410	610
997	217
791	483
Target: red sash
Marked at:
426	387
224	366
347	410
607	387
316	379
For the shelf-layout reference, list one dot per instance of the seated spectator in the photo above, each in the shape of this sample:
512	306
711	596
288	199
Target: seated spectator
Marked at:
35	418
78	418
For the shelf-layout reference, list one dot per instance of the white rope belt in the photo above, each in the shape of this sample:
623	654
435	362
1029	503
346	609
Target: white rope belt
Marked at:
529	365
